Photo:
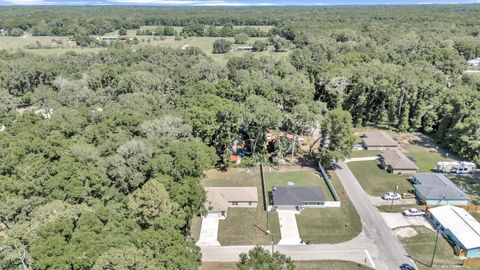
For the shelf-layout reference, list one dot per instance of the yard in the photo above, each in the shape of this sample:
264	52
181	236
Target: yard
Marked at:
425	160
420	248
301	265
364	153
330	225
243	226
376	181
470	184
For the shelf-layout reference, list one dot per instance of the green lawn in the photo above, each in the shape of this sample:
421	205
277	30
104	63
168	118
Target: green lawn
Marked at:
376	181
420	248
330	225
426	161
195	226
300	265
307	177
468	183
365	153
244	226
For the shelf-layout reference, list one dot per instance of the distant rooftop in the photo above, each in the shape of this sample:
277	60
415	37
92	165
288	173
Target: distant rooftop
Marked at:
378	139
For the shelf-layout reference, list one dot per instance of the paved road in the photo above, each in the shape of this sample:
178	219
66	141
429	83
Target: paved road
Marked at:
392	254
359	250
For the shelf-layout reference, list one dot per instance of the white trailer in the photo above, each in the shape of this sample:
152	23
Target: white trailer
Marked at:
459	167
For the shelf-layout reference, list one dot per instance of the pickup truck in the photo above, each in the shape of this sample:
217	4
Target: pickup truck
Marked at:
413	212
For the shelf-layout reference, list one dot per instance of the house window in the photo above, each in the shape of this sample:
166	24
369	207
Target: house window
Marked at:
249	203
234	203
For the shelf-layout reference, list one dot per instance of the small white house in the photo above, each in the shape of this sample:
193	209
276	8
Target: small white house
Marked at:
219	199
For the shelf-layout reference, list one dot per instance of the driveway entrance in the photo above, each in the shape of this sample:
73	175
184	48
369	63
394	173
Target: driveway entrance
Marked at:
288	228
209	230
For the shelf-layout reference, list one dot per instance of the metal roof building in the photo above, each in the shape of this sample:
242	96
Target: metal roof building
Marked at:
459	227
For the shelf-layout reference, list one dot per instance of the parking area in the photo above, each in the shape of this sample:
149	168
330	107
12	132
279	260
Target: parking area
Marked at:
288	228
397	220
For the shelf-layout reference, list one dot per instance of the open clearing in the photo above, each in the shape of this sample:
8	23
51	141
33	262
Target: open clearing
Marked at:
300	265
204	43
376	181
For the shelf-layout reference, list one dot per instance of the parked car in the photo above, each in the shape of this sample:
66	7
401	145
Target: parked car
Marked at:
391	196
406	266
408	196
413	212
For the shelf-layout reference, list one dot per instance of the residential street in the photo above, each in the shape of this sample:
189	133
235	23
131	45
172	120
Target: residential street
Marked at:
359	250
392	254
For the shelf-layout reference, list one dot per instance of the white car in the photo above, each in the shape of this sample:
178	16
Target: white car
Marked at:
413	212
391	196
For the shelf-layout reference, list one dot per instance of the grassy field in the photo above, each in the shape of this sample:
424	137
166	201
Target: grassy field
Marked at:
420	248
468	183
195	226
204	43
330	225
425	160
244	225
308	177
395	208
300	265
364	153
376	181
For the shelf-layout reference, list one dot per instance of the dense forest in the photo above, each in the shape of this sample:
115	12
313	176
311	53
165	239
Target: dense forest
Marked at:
94	143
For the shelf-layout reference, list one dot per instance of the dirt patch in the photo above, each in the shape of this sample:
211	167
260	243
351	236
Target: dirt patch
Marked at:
405	232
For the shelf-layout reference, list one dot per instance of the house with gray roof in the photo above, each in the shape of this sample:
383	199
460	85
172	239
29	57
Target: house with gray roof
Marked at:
296	198
437	189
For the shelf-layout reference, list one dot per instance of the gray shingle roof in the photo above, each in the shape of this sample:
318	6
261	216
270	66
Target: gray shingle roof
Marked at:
290	195
437	186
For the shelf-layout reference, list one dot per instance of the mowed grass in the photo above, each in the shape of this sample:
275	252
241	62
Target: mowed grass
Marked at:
17	43
364	153
195	227
306	177
330	225
300	265
425	160
420	248
244	226
376	181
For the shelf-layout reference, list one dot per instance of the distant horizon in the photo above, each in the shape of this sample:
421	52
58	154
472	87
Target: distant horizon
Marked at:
231	3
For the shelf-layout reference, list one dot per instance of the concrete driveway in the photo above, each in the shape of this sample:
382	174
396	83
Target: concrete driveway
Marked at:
378	201
209	231
288	228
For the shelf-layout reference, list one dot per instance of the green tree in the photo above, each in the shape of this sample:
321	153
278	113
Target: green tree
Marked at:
241	38
336	139
259	46
261	259
221	46
122	31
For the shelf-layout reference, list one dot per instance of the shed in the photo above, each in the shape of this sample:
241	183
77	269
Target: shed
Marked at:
458	226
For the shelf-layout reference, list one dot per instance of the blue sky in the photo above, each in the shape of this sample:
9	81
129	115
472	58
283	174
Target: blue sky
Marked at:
231	2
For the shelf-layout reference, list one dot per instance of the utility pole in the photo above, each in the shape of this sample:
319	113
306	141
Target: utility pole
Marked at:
391	205
435	247
293	146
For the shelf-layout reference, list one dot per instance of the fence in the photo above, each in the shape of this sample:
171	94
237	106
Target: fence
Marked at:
470	208
471	262
329	184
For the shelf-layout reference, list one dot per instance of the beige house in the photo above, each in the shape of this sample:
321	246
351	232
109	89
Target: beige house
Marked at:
394	161
219	199
378	140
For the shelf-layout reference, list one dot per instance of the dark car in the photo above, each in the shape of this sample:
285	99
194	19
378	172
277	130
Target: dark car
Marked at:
406	266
